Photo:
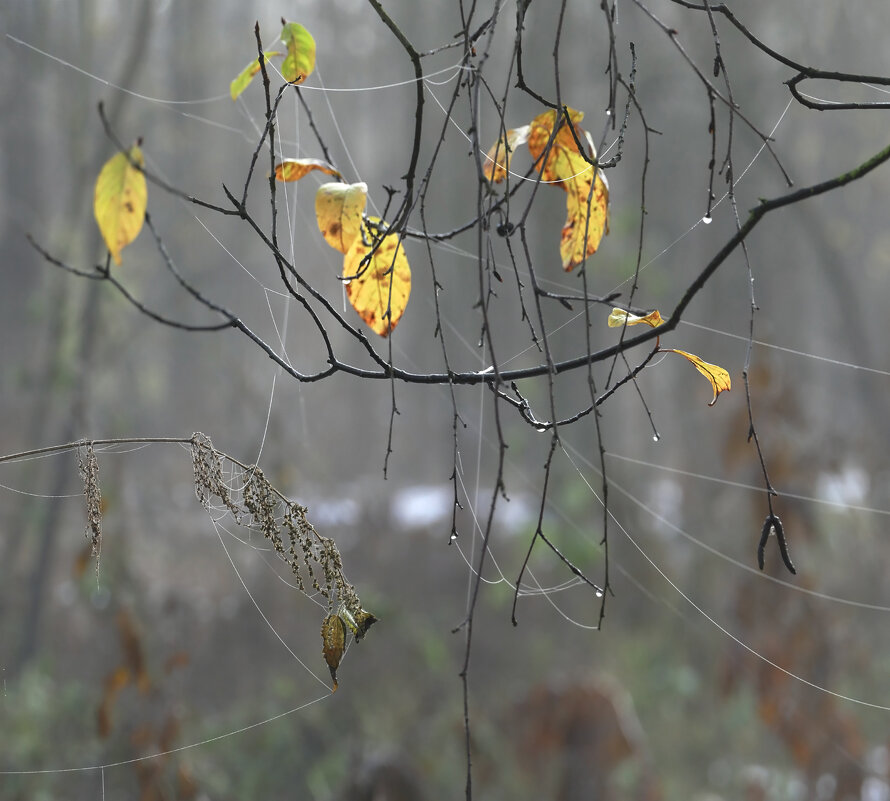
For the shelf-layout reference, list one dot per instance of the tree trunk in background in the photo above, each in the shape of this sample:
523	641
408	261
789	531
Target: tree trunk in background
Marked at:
75	408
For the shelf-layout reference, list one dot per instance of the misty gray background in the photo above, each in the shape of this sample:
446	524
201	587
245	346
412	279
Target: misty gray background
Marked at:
704	718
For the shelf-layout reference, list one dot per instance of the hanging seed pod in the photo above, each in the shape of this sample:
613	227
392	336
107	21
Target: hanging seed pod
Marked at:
333	638
88	465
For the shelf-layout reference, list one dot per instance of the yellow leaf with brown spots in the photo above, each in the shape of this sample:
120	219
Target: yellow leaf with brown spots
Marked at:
719	378
587	200
561	163
587	221
379	278
338	209
119	200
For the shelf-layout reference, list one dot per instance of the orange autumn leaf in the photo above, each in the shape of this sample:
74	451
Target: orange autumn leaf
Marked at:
338	209
587	201
294	169
119	200
619	317
564	153
378	280
497	160
719	378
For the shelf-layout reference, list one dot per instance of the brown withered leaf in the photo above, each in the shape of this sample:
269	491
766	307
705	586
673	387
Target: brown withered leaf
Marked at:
333	638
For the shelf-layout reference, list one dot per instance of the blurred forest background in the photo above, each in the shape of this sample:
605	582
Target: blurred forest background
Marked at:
661	703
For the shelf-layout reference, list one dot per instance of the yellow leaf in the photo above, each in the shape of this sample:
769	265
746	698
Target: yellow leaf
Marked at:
583	231
338	209
294	169
378	285
497	160
244	78
333	638
300	59
562	164
619	317
119	200
587	213
718	377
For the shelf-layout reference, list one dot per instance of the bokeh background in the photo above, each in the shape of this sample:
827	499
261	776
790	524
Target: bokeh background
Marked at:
670	700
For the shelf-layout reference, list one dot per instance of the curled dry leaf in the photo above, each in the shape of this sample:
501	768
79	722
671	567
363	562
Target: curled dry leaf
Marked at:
379	278
338	209
719	378
119	200
294	169
358	623
333	638
619	318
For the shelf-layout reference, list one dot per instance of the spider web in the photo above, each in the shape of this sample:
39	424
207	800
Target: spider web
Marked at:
544	585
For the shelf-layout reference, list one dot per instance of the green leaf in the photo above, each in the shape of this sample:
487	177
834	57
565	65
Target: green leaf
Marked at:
240	83
300	59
